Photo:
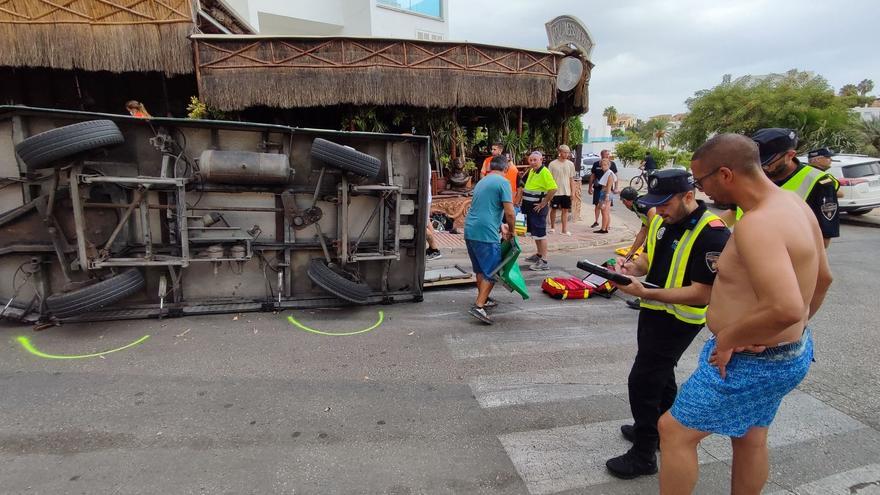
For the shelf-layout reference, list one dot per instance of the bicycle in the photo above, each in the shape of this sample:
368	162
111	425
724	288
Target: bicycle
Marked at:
639	181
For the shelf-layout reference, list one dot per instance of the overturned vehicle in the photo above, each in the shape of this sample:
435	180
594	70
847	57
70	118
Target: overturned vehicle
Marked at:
111	217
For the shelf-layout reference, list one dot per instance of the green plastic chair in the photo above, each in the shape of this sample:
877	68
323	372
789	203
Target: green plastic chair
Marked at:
508	271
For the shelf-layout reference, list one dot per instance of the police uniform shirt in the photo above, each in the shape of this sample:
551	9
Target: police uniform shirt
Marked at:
703	260
823	201
641	211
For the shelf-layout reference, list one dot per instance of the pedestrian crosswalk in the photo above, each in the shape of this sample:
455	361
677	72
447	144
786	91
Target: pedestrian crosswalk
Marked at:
571	457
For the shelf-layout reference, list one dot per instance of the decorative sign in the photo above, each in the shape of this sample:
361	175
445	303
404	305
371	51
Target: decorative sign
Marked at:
566	31
570	71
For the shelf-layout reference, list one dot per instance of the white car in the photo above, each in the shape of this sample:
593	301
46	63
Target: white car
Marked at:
859	177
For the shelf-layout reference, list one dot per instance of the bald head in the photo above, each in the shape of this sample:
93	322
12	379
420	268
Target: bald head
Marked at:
734	151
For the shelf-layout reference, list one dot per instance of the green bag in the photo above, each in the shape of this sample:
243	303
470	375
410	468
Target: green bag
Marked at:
508	271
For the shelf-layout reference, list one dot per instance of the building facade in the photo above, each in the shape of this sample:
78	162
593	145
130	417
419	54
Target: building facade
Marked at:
408	19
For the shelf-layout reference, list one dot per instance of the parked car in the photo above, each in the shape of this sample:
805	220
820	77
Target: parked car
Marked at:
587	165
859	177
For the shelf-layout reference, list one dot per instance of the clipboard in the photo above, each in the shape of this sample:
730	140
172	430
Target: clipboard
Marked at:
600	271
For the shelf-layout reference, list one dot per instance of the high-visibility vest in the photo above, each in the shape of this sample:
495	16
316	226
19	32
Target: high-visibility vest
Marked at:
801	183
675	278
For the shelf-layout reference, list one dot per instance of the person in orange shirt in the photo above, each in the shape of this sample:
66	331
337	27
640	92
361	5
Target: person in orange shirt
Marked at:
137	109
511	174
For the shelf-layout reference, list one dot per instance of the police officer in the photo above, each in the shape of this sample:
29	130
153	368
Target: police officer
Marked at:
820	158
817	188
629	196
684	241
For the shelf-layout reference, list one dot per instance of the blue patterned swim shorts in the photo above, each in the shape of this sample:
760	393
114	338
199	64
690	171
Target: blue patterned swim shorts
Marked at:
751	393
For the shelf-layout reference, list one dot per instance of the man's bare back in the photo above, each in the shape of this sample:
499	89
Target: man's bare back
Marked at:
776	247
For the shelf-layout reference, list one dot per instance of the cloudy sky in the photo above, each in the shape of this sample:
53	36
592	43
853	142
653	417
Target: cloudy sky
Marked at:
651	55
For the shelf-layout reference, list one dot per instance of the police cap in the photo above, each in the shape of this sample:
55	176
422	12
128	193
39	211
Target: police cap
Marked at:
664	184
820	152
773	141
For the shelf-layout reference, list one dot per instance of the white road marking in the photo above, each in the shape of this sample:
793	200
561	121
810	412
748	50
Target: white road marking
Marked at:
572	457
561	384
860	481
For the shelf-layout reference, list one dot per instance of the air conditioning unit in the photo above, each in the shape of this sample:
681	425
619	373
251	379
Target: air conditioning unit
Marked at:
428	35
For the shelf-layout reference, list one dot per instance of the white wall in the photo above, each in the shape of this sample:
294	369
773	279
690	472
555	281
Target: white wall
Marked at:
392	23
337	18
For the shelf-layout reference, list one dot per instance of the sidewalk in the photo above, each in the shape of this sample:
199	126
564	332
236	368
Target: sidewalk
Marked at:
624	226
870	219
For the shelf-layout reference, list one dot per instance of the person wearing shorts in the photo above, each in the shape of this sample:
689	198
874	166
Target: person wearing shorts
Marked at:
483	231
566	180
773	275
534	199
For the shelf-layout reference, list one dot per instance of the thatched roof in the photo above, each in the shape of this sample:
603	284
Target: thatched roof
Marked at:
111	35
237	72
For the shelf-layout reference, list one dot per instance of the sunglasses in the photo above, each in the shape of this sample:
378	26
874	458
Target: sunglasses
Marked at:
698	183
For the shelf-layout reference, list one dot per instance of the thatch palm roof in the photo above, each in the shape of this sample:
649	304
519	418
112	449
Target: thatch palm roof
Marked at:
112	35
236	72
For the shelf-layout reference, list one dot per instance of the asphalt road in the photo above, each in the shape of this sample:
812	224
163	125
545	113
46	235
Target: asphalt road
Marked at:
427	402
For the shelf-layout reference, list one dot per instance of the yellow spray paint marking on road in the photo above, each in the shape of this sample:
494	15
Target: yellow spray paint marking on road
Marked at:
342	334
26	343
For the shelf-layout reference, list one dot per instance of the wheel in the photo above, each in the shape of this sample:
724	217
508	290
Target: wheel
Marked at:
348	159
856	213
637	183
95	296
336	284
44	149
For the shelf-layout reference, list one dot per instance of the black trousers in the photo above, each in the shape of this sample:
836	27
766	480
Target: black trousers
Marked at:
662	339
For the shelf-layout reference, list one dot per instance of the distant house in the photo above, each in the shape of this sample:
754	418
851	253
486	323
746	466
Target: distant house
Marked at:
868	113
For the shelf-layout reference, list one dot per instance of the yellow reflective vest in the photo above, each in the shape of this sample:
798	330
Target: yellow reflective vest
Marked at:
801	183
675	277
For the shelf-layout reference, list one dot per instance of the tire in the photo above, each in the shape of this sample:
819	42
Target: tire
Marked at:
857	213
346	158
637	183
336	284
95	296
44	149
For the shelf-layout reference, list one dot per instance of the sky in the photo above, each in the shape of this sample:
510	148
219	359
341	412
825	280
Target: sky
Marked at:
651	55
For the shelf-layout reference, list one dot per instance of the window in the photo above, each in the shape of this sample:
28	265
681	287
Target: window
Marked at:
424	7
861	170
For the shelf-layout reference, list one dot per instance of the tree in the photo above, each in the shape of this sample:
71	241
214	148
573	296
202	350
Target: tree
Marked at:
849	90
610	114
617	133
865	87
630	151
871	132
575	131
797	100
657	132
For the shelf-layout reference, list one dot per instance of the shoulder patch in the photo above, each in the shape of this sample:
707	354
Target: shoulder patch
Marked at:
825	181
717	223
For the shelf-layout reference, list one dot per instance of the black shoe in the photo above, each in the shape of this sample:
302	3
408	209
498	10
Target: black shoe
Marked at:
629	432
595	224
630	466
634	304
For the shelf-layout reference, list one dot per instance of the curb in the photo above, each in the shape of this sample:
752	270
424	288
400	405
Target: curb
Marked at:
860	222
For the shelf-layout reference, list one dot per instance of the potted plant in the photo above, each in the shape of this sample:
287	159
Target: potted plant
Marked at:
438	179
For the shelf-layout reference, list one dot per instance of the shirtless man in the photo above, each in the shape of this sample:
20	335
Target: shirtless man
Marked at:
772	277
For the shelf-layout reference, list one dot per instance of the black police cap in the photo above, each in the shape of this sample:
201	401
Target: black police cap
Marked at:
820	152
773	141
664	184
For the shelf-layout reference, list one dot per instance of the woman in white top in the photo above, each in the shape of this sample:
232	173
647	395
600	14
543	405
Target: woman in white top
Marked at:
609	186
